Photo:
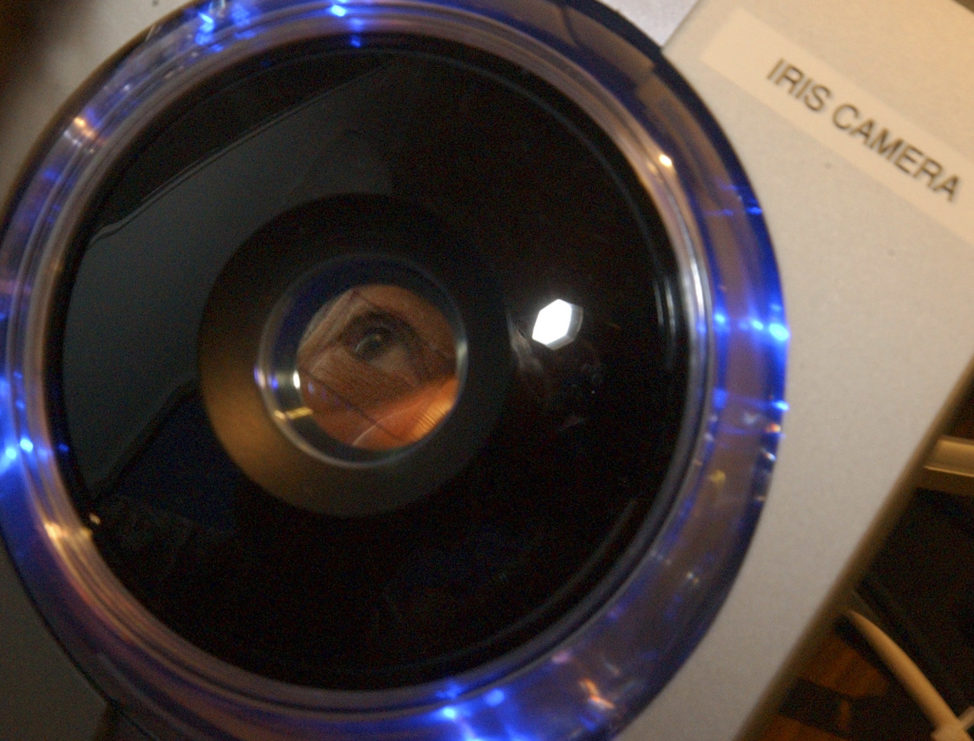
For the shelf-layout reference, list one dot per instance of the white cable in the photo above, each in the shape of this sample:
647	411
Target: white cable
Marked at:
947	726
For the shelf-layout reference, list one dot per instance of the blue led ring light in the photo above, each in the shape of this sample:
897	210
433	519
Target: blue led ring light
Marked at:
582	675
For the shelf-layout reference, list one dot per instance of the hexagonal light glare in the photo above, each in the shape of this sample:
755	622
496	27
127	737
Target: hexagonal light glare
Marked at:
557	324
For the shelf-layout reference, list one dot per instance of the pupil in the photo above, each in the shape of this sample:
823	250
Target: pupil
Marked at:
374	344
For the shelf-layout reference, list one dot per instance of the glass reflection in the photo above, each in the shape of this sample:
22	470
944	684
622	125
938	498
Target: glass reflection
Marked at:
557	324
377	367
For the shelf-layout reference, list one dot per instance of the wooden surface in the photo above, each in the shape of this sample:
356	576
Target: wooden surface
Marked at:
845	693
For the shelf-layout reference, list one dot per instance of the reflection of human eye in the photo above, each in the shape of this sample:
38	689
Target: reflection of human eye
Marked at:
376	341
384	342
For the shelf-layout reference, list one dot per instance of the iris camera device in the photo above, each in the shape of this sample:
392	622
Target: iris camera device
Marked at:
480	369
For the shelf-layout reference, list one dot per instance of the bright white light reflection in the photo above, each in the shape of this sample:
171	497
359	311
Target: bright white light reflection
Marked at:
9	458
494	698
779	331
60	534
665	161
449	712
84	129
557	324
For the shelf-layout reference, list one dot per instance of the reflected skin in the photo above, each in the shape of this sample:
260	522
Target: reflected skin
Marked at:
378	367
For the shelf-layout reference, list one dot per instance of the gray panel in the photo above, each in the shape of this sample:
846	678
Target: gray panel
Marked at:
42	694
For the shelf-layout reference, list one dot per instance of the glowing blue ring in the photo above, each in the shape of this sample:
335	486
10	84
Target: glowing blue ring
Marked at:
588	680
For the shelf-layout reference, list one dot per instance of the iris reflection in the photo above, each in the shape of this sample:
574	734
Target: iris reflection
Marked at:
377	367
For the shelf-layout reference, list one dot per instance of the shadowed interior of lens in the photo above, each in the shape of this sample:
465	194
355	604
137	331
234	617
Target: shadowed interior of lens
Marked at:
536	518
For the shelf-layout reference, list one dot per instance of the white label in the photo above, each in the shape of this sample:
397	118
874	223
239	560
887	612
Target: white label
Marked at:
821	101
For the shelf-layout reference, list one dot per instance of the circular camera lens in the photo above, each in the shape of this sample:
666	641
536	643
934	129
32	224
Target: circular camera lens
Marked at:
377	367
391	372
333	348
383	368
371	363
